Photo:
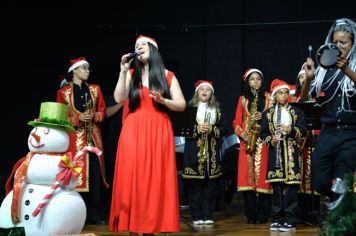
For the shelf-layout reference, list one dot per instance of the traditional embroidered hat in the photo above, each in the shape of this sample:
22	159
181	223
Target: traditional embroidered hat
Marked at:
53	115
278	84
142	38
76	63
200	83
249	72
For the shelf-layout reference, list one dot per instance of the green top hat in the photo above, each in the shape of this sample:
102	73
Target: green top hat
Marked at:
53	115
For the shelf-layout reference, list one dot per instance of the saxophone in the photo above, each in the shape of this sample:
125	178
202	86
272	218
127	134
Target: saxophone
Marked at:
253	128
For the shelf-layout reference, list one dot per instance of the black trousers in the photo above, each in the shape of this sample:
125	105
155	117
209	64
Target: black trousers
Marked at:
284	206
334	155
201	197
257	206
92	198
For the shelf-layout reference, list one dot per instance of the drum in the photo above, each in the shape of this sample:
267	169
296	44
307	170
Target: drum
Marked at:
230	143
179	143
327	55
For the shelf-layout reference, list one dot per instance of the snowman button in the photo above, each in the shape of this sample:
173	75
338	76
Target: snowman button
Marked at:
27	217
30	190
27	202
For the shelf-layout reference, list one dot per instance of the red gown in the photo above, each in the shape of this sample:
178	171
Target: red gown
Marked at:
145	192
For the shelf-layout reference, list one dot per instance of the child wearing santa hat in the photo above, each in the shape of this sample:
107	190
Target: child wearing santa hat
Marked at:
281	126
87	111
252	161
202	166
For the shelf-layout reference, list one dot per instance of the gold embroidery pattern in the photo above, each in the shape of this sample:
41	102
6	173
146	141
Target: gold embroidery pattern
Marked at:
206	162
258	157
201	157
287	174
189	171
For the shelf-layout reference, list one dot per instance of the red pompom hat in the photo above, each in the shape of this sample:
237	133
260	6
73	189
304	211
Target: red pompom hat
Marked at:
278	84
76	63
250	71
142	38
200	83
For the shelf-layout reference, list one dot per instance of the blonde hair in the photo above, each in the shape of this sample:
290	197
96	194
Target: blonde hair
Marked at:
213	102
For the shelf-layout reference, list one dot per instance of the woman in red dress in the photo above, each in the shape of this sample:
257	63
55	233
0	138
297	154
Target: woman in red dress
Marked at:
145	193
252	161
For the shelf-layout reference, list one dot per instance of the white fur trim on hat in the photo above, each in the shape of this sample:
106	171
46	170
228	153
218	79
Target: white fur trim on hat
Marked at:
280	87
204	83
77	64
250	71
146	39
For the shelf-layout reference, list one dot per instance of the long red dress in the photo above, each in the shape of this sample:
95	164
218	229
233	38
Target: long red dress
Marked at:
145	192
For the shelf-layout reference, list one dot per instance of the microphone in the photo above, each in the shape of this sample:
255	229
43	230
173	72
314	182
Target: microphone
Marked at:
133	55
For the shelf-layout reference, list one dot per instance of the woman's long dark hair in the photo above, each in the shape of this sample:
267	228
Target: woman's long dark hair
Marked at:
156	79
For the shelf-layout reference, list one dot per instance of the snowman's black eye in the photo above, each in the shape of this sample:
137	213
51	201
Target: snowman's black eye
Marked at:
46	131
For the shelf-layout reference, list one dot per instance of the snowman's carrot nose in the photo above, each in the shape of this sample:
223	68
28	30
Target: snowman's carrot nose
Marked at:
35	136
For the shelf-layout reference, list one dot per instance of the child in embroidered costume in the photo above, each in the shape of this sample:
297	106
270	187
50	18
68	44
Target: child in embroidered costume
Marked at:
202	166
281	126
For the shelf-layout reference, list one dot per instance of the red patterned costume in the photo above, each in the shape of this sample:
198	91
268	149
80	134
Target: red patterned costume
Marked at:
252	165
78	139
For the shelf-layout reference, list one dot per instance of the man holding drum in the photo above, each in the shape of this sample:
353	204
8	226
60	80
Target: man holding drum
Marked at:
334	154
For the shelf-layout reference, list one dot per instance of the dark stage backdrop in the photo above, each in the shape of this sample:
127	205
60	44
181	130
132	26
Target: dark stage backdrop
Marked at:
199	39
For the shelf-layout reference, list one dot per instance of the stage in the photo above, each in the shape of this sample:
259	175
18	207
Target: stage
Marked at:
225	224
228	221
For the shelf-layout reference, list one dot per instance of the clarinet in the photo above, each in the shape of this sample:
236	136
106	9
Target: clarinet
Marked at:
277	164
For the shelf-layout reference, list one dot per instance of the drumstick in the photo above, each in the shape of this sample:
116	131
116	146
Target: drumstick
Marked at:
310	48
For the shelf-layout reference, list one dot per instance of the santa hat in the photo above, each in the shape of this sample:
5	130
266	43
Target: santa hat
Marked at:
278	84
142	38
200	83
292	88
73	64
249	72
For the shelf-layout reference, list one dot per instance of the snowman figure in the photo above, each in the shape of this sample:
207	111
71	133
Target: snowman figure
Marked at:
35	203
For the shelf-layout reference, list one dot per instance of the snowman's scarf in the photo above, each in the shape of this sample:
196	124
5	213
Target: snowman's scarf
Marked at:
19	178
21	168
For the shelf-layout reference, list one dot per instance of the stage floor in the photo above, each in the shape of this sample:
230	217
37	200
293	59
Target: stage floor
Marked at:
229	221
229	225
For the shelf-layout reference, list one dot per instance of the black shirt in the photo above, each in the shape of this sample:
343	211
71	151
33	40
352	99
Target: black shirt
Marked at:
80	97
332	110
